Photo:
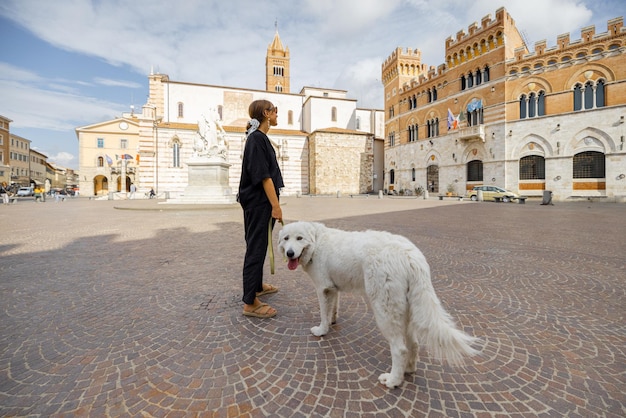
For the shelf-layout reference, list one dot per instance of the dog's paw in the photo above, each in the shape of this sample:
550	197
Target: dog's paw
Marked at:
319	331
388	381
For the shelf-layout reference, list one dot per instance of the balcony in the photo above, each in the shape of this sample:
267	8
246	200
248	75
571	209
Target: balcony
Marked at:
118	170
472	133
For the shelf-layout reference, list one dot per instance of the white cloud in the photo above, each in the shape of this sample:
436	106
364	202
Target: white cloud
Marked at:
116	83
349	16
35	107
63	159
11	72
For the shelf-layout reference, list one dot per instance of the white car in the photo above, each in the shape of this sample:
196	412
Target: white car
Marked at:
25	191
491	192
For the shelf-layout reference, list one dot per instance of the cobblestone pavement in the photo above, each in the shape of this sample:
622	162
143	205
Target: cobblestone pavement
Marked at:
137	313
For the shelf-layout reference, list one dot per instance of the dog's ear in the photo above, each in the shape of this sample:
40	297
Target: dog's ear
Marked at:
311	232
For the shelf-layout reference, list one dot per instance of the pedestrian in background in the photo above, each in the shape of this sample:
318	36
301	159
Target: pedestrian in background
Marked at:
4	191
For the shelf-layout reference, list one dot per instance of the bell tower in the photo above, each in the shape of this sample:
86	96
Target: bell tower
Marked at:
277	66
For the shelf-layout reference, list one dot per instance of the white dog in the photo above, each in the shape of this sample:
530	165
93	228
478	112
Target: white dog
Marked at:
394	275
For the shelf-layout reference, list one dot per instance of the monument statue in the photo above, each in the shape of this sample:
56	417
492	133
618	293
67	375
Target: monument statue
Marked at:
210	139
208	178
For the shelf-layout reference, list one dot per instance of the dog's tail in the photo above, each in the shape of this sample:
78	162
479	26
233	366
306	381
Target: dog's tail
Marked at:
434	327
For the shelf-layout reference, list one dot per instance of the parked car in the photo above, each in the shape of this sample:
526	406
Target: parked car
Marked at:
25	191
491	192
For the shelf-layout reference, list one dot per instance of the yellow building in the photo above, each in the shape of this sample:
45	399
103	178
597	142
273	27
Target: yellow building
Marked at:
19	160
497	113
108	155
38	169
5	168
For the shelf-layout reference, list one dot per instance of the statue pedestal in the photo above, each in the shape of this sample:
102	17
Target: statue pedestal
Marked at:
207	183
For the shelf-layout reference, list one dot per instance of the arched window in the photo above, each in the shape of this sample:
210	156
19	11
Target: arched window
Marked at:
333	114
413	174
434	93
541	103
479	77
589	96
532	167
100	161
392	176
578	97
486	74
181	108
475	170
532	105
600	93
522	107
463	82
412	131
589	165
470	80
475	117
176	153
433	127
588	93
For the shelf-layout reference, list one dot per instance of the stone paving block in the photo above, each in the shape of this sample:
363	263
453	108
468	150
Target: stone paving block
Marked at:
132	308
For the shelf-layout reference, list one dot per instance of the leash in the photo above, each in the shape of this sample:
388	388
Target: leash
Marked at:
270	245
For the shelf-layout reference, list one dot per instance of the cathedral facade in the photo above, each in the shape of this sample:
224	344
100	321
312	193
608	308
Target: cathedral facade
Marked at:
323	142
497	113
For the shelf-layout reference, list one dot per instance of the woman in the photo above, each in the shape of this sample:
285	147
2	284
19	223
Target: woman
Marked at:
259	187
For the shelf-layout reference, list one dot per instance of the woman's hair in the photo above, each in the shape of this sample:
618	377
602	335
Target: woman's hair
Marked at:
256	109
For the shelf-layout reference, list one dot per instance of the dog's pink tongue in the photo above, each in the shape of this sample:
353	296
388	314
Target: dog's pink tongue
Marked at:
292	264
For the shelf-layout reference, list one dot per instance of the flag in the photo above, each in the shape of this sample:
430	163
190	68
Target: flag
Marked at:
127	157
453	122
109	160
460	118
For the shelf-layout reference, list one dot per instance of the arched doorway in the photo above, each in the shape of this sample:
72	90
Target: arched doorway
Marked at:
100	185
119	184
432	178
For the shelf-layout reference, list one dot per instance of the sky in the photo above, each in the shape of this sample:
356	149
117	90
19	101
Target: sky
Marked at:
71	63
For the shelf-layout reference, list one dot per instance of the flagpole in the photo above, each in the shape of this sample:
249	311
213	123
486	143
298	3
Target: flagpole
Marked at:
123	175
